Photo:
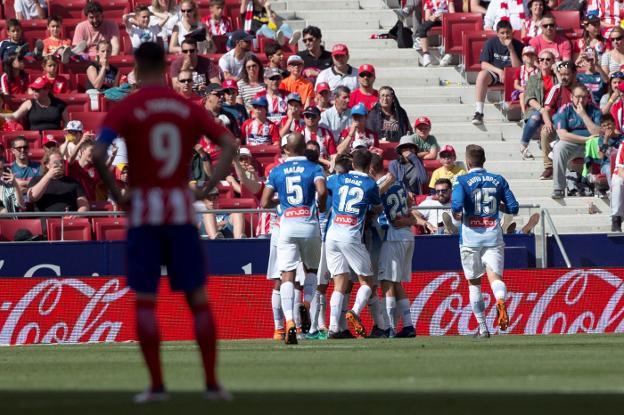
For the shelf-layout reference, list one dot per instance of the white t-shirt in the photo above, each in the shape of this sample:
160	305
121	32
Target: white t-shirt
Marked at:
229	63
334	79
167	29
27	8
434	216
139	35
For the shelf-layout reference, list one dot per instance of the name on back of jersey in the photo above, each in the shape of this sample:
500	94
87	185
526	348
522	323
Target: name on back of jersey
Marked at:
353	181
162	105
294	170
477	179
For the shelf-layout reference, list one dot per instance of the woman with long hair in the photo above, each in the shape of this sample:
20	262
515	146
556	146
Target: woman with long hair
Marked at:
14	80
101	75
190	22
164	10
613	58
387	118
60	84
252	80
531	27
613	94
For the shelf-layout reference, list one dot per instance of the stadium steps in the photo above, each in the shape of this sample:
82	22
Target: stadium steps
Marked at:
444	96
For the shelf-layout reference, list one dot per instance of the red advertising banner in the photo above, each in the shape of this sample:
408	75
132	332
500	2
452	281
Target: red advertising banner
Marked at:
100	309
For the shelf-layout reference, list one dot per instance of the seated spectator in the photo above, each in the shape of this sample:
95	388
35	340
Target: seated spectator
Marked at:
312	131
439	221
53	191
558	44
357	135
609	12
11	199
73	135
613	94
203	69
592	43
57	46
537	115
295	81
276	97
49	143
14	80
219	226
575	122
408	168
264	22
44	111
184	86
387	118
101	75
216	22
340	73
161	10
95	30
23	169
434	9
259	130
617	191
338	117
141	28
251	82
275	58
60	84
612	60
322	96
498	53
15	43
189	26
232	63
426	143
30	9
230	104
504	11
293	120
528	68
213	103
80	167
315	57
448	170
531	27
608	143
121	180
365	93
589	74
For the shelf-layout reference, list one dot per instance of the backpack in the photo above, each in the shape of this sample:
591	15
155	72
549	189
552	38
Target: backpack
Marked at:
403	35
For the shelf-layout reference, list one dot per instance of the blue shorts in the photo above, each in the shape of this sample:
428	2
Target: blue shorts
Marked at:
175	246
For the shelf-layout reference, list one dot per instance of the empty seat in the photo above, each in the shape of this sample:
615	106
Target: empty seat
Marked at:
69	229
472	44
8	227
110	229
453	26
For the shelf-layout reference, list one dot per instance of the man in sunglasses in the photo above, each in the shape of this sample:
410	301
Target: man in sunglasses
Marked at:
202	68
315	57
23	169
365	93
231	63
341	73
276	97
549	40
434	218
314	132
214	105
185	87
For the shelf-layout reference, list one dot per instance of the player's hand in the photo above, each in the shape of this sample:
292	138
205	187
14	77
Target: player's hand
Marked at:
114	150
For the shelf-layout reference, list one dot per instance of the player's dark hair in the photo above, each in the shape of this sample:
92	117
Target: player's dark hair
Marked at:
503	24
607	118
295	144
312	31
444	181
57	19
343	163
362	159
376	163
313	154
11	23
93	7
271	49
149	57
475	155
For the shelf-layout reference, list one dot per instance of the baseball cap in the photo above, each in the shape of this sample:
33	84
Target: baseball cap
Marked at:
239	35
213	87
422	120
312	110
39	83
271	72
74	125
358	143
49	139
592	16
293	96
260	101
294	59
366	68
447	149
529	50
359	109
340	49
230	84
244	151
323	86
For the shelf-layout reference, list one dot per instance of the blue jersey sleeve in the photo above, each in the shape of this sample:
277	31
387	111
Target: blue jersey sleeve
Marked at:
511	204
107	136
318	173
373	194
457	198
270	182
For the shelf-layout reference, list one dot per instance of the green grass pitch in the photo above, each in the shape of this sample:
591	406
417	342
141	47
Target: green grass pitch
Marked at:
507	374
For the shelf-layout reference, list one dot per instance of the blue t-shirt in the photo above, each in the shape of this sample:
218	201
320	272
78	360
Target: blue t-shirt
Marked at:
478	195
238	111
28	172
566	118
497	54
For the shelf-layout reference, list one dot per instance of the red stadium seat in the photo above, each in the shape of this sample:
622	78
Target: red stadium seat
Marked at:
472	44
389	150
509	85
101	206
8	10
69	229
110	229
67	9
90	120
264	155
453	26
431	165
8	227
568	22
33	138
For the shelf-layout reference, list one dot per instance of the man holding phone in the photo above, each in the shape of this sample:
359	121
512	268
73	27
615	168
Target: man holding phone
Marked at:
10	195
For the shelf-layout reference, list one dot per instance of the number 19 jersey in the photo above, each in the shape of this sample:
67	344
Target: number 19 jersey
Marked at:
478	195
294	181
352	196
160	129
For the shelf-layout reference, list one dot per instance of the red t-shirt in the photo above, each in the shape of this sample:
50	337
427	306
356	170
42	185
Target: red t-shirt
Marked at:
369	138
358	96
560	47
323	136
296	126
557	97
60	84
257	133
548	84
87	176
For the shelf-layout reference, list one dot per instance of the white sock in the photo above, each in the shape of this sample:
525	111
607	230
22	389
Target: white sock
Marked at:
375	310
336	311
361	298
476	301
404	309
499	289
296	304
390	309
276	305
479	106
314	311
384	313
342	325
287	292
309	287
322	325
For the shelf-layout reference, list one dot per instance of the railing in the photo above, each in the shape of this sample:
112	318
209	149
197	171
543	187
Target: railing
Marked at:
545	216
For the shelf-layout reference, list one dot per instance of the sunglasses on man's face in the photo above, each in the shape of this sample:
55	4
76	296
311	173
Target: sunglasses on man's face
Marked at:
21	148
548	25
308	39
185	81
310	116
186	10
275	78
189	50
545	59
441	191
616	39
366	75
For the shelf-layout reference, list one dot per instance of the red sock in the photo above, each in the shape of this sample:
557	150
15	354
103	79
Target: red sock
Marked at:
149	338
206	336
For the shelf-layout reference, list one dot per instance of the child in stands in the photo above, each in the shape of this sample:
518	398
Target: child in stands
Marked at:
528	68
14	80
141	28
14	44
448	170
217	23
56	45
60	84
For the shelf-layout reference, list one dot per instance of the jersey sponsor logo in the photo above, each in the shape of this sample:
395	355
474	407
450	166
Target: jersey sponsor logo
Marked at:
346	220
300	212
477	222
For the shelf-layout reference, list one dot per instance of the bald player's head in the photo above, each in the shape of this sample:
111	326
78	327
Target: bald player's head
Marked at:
295	144
149	61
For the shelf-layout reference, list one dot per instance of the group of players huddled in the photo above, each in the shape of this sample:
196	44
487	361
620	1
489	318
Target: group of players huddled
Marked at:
355	225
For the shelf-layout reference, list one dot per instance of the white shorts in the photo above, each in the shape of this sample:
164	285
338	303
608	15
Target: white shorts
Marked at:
344	256
475	260
292	251
273	272
322	275
395	261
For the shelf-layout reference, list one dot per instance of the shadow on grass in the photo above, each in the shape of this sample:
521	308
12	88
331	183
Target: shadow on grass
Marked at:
182	403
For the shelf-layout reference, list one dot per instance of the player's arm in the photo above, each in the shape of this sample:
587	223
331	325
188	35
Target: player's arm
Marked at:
321	192
390	179
225	140
511	204
100	158
267	201
375	200
457	201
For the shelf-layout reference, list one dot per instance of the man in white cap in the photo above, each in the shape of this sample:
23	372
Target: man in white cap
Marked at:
341	73
296	83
